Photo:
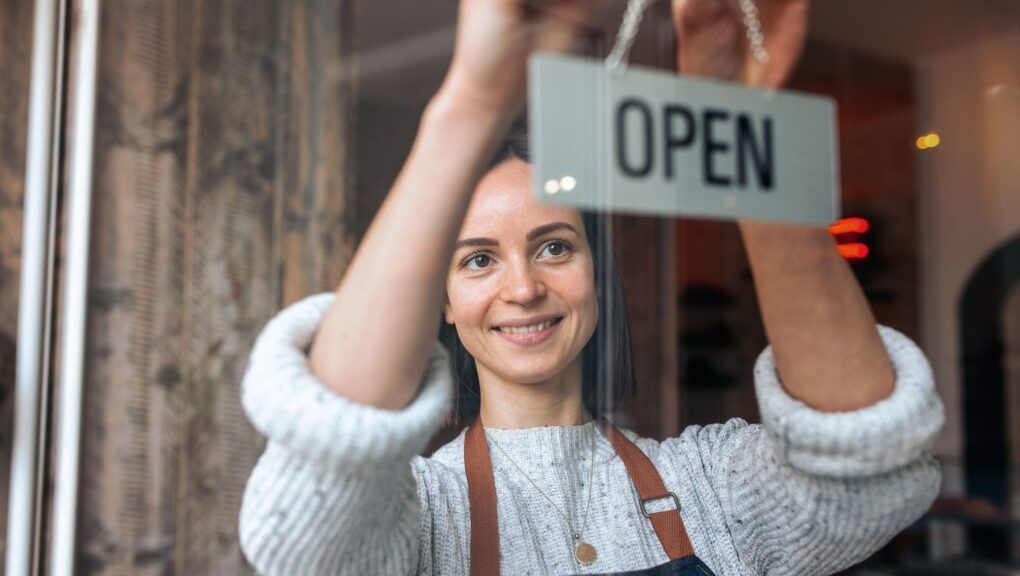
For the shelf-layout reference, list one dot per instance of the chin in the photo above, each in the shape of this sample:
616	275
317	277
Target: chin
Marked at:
534	373
531	377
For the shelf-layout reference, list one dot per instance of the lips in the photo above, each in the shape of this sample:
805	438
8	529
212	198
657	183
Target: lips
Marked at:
536	327
529	332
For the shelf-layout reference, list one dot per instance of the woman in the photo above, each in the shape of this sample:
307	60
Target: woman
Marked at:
348	387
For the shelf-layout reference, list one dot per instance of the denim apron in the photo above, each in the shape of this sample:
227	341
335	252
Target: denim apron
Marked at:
668	525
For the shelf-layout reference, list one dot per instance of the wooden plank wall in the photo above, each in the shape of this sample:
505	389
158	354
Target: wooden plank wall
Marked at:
224	189
16	17
221	194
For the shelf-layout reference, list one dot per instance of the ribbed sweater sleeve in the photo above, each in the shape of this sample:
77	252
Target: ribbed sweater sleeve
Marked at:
810	492
334	488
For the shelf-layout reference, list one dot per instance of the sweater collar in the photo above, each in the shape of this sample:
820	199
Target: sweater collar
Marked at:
548	446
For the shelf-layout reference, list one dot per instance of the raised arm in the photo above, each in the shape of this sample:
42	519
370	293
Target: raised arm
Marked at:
348	387
374	343
815	314
841	461
826	346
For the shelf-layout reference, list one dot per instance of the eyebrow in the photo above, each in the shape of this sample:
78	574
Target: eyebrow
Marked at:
474	242
537	232
547	228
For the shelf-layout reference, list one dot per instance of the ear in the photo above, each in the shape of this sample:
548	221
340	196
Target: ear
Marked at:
448	312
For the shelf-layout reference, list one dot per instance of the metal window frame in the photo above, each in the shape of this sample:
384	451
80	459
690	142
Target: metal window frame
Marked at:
74	298
37	298
35	302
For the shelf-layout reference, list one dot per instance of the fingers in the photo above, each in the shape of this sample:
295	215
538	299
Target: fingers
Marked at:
714	38
586	13
697	13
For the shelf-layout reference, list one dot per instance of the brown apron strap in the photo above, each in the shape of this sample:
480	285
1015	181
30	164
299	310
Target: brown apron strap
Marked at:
482	501
668	525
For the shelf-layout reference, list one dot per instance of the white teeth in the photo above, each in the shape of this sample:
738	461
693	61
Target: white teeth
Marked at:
526	329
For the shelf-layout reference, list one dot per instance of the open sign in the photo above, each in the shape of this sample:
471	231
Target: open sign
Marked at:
703	131
647	141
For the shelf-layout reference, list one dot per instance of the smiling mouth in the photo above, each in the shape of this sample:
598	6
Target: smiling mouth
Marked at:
528	329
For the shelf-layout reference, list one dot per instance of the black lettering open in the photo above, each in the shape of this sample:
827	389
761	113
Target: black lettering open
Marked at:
669	113
713	147
644	167
747	145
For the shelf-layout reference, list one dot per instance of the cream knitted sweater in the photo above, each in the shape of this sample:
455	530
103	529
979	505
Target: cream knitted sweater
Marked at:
340	488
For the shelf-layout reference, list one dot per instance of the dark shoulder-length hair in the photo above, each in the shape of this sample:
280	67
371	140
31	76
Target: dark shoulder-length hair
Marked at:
607	362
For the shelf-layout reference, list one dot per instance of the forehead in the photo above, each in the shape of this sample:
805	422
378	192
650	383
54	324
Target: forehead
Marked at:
503	204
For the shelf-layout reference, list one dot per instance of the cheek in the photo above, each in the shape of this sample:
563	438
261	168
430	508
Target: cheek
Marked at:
589	298
578	292
589	302
591	305
467	304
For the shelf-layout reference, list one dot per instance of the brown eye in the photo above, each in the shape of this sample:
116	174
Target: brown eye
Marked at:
478	262
555	249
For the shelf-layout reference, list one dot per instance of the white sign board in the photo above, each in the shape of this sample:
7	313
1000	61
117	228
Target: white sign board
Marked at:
653	142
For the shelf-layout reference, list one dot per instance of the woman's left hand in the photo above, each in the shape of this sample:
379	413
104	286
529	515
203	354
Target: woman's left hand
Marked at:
713	39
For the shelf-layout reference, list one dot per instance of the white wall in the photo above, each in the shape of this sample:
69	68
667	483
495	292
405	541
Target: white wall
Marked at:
969	197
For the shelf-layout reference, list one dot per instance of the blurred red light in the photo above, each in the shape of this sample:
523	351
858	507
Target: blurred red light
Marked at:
853	251
850	226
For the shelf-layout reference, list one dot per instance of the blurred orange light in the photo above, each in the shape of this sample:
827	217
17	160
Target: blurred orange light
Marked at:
854	251
850	226
929	140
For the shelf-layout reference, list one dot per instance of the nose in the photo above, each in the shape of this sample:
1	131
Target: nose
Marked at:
522	286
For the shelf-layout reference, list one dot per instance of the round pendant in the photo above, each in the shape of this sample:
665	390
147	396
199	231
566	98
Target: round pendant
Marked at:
585	553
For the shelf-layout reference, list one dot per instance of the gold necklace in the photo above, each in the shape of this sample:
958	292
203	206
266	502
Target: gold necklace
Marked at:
583	551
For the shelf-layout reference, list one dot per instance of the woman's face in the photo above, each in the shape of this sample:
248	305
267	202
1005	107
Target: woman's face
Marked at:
521	286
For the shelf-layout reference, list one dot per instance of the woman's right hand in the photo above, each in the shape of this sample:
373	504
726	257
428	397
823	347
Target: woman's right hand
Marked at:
494	40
